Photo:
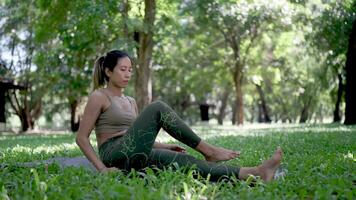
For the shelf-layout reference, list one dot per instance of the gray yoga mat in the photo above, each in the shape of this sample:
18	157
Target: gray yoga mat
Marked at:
62	162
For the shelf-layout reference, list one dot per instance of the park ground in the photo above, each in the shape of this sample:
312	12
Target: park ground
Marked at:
320	159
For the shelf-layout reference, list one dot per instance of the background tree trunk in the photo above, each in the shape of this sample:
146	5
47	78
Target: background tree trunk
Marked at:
20	111
238	74
263	105
305	111
26	120
260	113
225	97
233	118
2	105
340	91
125	7
74	120
350	111
143	81
27	111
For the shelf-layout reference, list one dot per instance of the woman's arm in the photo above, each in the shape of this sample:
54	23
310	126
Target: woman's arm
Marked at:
159	145
91	113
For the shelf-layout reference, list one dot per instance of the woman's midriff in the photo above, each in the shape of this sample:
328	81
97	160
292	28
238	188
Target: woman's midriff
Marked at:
103	137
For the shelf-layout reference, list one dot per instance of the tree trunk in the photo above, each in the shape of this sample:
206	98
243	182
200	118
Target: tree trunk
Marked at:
225	97
2	105
340	90
263	105
253	113
304	115
350	111
305	112
124	10
238	74
27	122
143	81
183	103
74	120
233	119
260	113
26	114
24	123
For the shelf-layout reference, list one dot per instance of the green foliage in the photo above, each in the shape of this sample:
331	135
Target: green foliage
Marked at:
293	48
320	161
331	30
74	46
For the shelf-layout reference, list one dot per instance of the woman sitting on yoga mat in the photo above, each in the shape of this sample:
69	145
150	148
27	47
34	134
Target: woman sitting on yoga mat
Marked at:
126	139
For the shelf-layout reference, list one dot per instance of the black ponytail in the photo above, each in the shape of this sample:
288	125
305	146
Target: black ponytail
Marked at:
99	73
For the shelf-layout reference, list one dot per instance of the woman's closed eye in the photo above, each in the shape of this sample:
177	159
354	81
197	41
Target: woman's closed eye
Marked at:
125	69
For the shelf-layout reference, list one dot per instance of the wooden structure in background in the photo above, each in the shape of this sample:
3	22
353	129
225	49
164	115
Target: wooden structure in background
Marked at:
5	85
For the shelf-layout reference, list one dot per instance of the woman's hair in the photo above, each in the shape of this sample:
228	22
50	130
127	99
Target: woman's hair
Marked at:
109	61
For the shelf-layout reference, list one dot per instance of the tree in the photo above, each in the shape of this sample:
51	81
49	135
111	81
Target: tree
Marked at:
350	112
240	24
68	44
189	65
332	29
143	69
18	32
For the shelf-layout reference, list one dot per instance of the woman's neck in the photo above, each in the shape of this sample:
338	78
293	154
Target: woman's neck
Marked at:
115	91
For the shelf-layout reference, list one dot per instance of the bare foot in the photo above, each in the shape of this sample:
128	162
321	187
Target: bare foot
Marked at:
269	167
221	154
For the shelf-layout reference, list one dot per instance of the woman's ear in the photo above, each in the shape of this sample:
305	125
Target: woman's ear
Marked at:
108	72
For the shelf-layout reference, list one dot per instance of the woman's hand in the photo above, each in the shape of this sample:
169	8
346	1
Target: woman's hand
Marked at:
175	147
108	169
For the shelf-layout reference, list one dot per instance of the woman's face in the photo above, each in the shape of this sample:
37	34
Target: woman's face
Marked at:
121	73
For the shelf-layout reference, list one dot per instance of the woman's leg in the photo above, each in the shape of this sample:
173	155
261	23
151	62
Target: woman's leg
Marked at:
266	170
132	149
162	158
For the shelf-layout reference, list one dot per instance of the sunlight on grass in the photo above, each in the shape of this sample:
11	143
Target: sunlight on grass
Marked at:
26	136
349	156
42	148
207	130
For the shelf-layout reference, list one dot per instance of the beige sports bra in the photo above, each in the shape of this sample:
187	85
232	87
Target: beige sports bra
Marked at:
115	119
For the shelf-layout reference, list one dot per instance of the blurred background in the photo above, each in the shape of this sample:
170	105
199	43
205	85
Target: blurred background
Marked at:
228	62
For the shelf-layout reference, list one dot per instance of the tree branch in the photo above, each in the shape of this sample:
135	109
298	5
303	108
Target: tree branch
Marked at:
252	40
16	109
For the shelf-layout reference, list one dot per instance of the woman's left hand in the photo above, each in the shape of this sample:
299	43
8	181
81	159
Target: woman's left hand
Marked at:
175	147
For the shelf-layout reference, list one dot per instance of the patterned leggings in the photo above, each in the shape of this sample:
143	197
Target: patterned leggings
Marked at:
134	149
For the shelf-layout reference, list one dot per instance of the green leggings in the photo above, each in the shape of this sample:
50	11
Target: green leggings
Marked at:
134	149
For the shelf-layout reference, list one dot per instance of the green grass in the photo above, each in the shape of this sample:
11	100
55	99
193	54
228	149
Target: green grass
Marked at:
320	160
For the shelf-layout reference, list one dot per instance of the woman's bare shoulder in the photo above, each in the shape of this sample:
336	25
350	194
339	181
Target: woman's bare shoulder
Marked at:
97	96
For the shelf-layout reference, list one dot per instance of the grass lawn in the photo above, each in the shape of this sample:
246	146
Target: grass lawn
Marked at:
320	159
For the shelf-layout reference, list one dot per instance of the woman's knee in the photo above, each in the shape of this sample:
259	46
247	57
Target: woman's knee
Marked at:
138	160
159	103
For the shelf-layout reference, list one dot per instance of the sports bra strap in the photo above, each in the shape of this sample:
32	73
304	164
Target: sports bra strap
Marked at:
107	95
132	102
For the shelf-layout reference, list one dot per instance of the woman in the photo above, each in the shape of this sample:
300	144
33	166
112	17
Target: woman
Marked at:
126	139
